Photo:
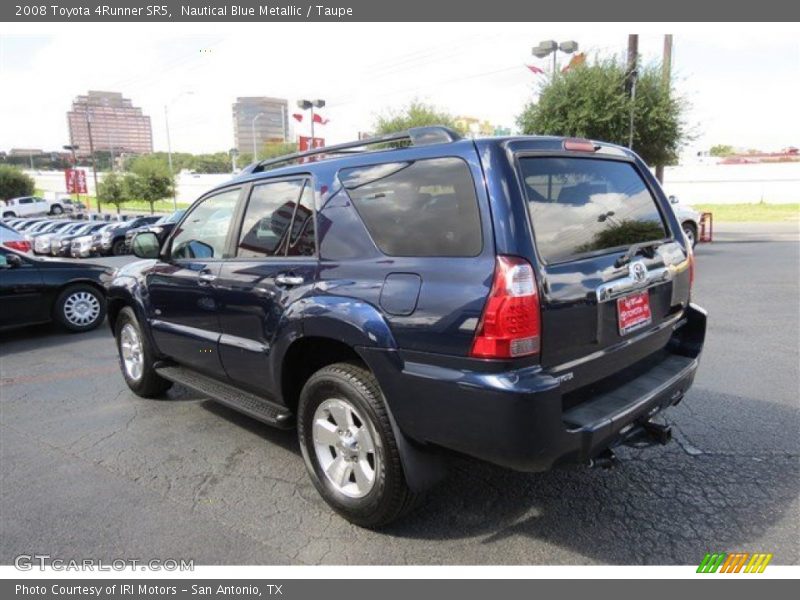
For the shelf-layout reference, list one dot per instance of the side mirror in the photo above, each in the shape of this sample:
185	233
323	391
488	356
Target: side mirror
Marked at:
10	261
145	245
673	200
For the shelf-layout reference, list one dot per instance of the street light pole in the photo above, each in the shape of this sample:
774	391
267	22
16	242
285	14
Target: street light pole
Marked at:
94	162
253	132
169	159
169	149
309	105
547	47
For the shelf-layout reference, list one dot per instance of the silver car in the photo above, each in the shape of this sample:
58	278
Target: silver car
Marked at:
689	219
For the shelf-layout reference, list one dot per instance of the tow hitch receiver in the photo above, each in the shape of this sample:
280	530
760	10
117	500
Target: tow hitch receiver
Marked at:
661	434
647	434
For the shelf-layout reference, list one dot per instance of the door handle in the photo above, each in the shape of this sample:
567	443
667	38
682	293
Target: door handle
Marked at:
206	277
284	279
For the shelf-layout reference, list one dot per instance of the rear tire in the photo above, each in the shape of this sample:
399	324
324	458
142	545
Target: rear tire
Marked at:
80	308
56	210
690	231
136	357
349	447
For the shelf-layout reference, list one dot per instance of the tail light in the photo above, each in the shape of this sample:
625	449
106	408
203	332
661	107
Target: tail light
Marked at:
510	326
19	245
691	269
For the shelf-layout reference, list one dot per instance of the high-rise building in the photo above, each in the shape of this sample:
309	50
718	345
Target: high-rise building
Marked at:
266	118
116	125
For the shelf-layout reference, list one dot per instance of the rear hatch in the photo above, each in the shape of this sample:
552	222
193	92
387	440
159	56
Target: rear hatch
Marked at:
612	272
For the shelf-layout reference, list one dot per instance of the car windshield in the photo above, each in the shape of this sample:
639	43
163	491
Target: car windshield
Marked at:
85	228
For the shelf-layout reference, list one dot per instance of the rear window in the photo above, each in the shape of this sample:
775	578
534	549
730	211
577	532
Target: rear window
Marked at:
420	208
582	206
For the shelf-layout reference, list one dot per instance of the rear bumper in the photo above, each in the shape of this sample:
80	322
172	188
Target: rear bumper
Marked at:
525	419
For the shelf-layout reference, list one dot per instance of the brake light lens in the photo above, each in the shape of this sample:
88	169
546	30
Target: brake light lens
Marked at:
19	245
510	326
691	269
579	145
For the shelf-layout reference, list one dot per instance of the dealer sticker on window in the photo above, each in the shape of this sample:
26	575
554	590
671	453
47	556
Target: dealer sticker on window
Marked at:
633	312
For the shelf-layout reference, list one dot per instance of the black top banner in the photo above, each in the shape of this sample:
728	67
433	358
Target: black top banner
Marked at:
398	10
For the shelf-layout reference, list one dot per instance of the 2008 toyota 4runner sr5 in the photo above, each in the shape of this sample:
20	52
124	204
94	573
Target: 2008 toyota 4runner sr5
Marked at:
522	300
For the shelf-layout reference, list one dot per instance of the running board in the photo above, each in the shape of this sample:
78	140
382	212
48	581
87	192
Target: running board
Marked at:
232	397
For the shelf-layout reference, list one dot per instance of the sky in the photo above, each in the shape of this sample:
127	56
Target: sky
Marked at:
742	82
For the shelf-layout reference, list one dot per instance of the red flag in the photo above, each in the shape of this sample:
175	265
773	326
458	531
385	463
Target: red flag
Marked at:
535	70
298	116
576	61
319	119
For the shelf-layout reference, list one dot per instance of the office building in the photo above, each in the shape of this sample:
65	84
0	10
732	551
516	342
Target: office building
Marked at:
265	118
116	125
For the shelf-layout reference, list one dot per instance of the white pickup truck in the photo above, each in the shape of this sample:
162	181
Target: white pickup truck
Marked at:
32	206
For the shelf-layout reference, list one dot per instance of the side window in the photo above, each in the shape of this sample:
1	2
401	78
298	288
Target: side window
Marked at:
204	231
421	208
26	200
266	229
302	242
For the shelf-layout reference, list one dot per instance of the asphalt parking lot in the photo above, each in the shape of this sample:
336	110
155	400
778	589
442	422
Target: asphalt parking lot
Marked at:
90	470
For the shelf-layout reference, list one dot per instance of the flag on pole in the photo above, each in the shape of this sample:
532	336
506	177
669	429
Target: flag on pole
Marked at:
320	120
298	117
575	61
534	69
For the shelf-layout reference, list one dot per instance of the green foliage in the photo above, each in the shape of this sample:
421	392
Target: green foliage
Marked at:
416	114
273	150
592	102
721	150
216	162
13	183
624	233
112	190
149	180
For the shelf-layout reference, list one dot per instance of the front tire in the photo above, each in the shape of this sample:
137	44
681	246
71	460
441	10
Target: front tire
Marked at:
349	447
80	308
56	210
136	357
118	249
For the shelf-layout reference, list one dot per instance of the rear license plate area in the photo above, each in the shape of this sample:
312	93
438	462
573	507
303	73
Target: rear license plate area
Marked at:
633	312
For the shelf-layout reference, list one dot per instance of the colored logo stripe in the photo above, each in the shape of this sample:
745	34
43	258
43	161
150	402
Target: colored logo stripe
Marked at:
734	562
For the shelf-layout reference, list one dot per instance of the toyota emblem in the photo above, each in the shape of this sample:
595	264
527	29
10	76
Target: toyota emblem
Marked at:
638	271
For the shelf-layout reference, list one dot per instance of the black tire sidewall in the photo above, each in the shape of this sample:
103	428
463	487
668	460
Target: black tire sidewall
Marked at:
118	248
62	298
321	387
693	229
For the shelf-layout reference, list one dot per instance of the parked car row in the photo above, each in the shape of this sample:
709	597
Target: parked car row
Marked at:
81	238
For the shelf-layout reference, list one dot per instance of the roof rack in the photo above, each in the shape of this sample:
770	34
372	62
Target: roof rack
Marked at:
418	136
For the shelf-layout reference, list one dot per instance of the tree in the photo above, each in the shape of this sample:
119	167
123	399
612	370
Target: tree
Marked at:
151	180
112	190
721	150
13	183
591	101
276	149
415	114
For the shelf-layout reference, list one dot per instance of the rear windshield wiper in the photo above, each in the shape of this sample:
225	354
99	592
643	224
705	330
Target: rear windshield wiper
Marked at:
636	249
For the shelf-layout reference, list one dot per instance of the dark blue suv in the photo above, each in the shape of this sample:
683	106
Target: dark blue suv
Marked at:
522	300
